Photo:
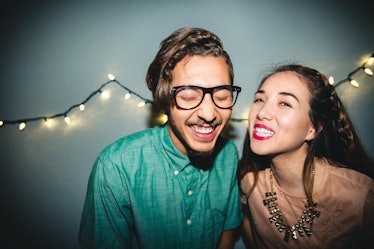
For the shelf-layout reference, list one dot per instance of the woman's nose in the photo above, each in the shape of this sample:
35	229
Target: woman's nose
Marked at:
264	112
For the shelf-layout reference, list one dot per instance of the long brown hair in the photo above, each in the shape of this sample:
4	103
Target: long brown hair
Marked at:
336	139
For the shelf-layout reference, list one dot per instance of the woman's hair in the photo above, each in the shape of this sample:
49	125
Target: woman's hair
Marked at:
182	43
335	138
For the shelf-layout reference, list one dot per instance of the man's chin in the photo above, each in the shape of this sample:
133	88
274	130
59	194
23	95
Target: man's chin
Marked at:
200	153
202	150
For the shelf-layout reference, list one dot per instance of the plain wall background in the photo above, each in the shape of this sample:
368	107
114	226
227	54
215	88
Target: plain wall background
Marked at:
55	53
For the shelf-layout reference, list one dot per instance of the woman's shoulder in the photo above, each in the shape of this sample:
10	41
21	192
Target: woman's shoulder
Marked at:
247	182
249	178
349	176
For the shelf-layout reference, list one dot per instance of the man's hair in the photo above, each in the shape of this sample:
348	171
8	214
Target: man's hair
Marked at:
182	43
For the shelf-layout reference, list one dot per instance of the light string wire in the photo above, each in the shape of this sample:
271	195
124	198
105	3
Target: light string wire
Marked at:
22	122
366	67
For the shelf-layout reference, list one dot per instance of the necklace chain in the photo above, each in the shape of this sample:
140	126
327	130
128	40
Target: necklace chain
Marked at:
305	222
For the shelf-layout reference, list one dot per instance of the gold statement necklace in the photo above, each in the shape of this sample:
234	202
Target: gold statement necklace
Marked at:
305	222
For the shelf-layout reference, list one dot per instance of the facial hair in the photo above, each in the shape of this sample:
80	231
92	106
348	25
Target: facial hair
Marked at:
201	159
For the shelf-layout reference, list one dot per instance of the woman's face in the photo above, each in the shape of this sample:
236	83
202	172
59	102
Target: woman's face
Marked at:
278	119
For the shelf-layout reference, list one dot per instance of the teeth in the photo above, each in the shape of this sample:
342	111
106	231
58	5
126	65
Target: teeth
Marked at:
202	130
263	132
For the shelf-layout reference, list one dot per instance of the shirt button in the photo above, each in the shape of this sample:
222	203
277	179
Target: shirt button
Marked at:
190	192
189	222
176	172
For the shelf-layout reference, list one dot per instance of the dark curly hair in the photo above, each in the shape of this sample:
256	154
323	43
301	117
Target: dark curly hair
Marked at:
182	43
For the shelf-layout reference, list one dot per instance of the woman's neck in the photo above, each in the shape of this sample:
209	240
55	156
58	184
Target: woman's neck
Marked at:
288	172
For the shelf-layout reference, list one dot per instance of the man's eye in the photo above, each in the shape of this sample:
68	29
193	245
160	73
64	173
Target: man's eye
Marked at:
223	98
187	98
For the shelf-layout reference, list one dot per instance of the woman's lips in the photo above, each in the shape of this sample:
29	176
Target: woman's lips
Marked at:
262	132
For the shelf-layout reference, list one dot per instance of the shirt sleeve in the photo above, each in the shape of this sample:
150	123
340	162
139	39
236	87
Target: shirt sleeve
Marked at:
106	220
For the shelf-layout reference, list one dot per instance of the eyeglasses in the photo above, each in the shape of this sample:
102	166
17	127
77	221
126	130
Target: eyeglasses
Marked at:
190	97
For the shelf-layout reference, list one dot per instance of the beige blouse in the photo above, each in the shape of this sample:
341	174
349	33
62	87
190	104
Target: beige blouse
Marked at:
342	195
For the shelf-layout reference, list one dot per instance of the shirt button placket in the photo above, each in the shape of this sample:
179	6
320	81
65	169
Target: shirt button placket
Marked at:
189	200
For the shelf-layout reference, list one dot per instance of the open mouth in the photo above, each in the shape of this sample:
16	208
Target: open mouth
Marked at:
261	132
202	129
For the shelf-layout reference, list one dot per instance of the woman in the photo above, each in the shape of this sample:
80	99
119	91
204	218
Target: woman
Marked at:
305	177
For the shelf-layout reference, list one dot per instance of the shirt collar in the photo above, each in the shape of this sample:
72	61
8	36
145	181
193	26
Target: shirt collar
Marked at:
176	159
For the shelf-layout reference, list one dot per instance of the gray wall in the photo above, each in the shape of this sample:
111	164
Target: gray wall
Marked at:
54	54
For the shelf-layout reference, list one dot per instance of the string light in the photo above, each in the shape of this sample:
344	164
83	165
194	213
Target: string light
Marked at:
163	118
331	80
127	96
67	120
112	79
141	104
354	83
48	122
370	61
22	126
365	67
368	71
105	94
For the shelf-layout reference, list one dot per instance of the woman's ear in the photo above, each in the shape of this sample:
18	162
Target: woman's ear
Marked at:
312	132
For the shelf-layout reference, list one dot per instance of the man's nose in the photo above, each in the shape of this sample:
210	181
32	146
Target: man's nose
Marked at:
207	110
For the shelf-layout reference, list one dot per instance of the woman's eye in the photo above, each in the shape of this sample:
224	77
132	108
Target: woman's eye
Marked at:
257	100
285	104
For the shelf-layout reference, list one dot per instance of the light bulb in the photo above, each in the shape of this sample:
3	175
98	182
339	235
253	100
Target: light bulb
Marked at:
105	95
141	104
354	83
127	96
22	126
164	118
1	123
67	119
111	76
370	61
331	80
48	122
368	71
82	107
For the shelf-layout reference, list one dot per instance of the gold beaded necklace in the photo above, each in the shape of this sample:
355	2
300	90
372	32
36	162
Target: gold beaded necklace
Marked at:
305	222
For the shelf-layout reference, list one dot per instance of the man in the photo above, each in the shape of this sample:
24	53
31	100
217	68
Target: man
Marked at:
172	186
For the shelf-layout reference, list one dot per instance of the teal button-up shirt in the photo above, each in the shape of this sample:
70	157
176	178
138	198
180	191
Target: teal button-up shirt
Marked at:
144	193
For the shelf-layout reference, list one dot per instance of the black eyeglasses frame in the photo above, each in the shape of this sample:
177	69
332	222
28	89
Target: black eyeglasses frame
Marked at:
205	90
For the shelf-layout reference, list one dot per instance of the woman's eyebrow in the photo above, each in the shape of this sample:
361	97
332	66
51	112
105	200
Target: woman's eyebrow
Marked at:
289	94
259	91
281	93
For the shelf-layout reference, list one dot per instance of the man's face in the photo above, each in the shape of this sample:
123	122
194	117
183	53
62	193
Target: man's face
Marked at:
198	129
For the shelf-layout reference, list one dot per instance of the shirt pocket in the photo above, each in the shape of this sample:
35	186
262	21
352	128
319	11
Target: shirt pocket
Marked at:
212	222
